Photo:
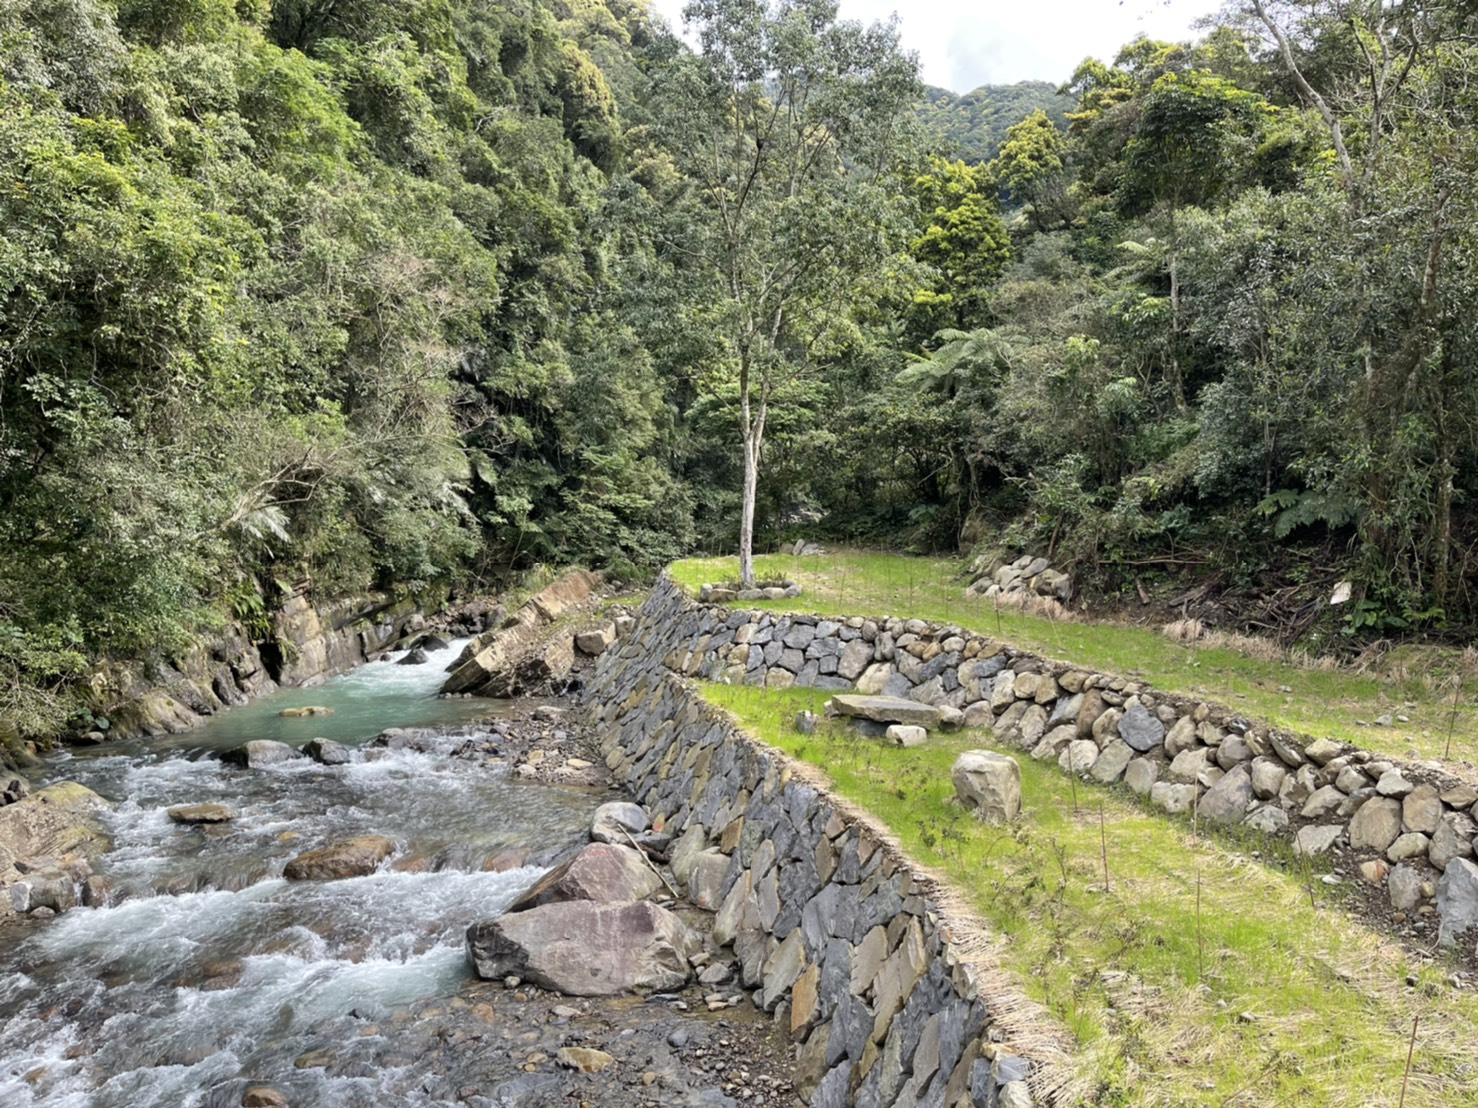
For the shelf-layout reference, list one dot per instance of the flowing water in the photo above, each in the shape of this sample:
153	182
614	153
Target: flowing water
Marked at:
208	969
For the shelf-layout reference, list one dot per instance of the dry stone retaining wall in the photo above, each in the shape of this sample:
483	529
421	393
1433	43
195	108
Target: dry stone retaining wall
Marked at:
1406	828
830	928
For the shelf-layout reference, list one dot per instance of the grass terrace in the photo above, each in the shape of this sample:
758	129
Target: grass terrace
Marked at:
1196	971
1321	700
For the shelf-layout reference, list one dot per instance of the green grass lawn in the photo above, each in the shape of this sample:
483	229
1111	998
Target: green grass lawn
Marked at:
1322	702
1259	998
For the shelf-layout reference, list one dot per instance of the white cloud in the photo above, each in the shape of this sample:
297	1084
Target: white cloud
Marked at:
962	46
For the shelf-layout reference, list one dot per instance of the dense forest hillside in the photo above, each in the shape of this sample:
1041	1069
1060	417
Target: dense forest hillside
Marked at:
363	294
973	125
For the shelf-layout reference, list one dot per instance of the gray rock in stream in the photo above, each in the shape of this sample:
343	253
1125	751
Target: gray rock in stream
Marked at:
327	752
580	948
259	753
356	857
602	872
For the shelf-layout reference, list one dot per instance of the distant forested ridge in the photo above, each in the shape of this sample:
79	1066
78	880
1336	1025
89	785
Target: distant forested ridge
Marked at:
366	293
973	125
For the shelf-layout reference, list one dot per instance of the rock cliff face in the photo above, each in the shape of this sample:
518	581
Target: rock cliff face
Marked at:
519	657
307	645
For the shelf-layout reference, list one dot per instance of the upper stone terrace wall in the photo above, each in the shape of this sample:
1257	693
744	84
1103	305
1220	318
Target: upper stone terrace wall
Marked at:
1408	829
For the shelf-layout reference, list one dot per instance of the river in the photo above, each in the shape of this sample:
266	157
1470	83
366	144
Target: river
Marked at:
207	969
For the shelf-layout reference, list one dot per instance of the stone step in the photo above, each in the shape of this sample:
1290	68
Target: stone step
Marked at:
887	709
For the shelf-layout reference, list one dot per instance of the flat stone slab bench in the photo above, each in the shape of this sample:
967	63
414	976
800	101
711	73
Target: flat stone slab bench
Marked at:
887	709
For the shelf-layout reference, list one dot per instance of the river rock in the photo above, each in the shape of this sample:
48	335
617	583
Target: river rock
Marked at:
580	948
1316	838
1323	751
52	822
706	879
1411	844
1141	774
414	657
356	857
1454	839
1421	810
1457	900
989	784
1269	819
1173	797
602	872
1393	784
305	712
1376	824
617	821
260	753
1267	777
1188	765
886	709
1404	886
48	891
583	1058
1141	730
593	643
685	850
1111	764
201	813
263	1096
327	752
1323	801
16	789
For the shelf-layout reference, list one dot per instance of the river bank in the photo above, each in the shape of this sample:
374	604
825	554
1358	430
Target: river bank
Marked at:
206	972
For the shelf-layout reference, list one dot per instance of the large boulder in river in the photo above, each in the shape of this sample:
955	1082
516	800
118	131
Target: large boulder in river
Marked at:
580	948
327	752
600	872
259	753
514	659
201	813
356	857
53	823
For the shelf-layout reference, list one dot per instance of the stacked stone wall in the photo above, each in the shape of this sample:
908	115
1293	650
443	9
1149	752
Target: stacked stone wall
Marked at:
831	928
1404	828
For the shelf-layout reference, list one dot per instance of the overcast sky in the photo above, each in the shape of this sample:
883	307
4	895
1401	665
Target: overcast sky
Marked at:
963	45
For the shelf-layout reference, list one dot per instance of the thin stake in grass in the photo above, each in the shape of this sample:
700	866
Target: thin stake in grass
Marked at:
1457	688
1410	1050
1103	846
1200	939
1072	779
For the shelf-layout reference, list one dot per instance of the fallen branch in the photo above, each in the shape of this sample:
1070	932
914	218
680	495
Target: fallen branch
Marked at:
643	853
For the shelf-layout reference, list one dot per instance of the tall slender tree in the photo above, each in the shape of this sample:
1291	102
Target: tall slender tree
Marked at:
785	122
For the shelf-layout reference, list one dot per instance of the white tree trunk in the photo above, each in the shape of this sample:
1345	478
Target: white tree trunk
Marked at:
746	512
